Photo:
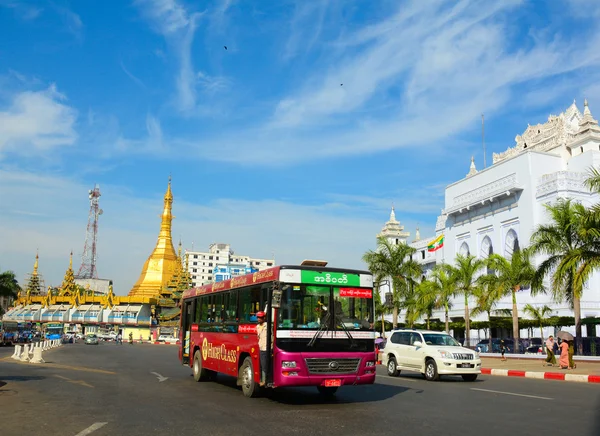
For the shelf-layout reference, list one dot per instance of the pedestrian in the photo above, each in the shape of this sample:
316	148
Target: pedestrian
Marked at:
130	338
119	339
564	355
571	353
550	359
502	350
261	333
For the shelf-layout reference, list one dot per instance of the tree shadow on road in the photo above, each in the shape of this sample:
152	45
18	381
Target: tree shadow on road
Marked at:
19	378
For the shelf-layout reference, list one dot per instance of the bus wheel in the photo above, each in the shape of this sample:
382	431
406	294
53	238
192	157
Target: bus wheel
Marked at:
200	374
249	387
327	392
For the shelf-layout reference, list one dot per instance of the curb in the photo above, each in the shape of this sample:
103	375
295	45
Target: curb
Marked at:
581	378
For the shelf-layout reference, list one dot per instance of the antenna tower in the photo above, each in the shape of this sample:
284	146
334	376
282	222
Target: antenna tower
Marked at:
87	270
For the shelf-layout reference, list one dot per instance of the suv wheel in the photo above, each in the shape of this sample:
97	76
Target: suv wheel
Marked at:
431	372
392	367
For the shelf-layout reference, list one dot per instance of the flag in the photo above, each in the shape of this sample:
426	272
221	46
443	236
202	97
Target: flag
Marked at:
436	244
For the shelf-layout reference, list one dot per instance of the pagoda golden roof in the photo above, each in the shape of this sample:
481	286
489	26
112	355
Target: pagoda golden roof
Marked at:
162	262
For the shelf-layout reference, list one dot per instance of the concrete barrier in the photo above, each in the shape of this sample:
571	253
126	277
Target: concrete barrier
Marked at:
17	353
37	356
24	354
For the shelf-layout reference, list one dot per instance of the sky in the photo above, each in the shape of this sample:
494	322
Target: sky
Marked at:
289	128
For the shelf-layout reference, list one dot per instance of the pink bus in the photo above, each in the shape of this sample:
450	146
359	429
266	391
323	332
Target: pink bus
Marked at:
321	321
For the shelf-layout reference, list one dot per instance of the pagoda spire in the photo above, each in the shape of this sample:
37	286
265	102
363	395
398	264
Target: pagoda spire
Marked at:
69	287
160	266
34	282
472	169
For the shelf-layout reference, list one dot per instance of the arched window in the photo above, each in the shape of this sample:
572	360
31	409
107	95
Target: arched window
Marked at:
486	248
464	249
511	244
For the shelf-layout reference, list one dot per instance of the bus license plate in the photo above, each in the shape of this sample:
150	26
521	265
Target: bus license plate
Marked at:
333	382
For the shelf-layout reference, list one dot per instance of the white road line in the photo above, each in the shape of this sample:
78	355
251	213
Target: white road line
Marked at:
91	428
512	393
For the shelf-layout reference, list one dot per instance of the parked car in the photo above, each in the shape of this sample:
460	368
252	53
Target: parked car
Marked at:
431	353
91	339
167	338
484	346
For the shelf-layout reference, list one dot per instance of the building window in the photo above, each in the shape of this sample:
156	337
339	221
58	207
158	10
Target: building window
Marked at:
195	256
194	269
269	264
210	258
422	254
210	264
210	271
195	263
209	277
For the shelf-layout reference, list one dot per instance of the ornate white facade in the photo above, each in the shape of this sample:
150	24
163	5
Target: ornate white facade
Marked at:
496	209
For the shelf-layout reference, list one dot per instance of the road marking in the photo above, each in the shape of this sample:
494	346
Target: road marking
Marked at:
92	428
512	393
160	377
77	382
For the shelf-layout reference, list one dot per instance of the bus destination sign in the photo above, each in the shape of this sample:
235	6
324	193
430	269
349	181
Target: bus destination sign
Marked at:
330	278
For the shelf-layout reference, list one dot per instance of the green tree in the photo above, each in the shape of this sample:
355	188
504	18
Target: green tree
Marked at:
488	292
440	287
539	315
9	286
394	261
586	258
464	274
562	242
514	274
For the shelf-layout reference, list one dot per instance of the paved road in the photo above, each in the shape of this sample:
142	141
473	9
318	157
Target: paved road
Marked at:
113	390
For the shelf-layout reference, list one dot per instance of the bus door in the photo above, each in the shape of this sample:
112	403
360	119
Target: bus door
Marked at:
187	312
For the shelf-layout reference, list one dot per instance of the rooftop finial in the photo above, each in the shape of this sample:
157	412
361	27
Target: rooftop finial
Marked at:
472	169
392	214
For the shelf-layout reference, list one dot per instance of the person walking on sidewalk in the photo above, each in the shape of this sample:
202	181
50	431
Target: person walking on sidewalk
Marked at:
502	350
571	353
564	355
550	359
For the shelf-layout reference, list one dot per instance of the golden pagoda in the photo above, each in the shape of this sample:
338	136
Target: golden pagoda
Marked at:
69	287
162	263
35	284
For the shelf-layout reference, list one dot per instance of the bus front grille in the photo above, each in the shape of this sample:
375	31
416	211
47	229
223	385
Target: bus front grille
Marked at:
332	366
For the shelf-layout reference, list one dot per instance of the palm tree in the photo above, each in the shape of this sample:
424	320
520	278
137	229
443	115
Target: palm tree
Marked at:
441	286
424	302
488	292
394	261
539	314
464	274
513	275
380	308
587	257
561	241
9	287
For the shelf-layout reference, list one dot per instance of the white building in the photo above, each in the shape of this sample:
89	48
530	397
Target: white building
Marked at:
204	267
496	209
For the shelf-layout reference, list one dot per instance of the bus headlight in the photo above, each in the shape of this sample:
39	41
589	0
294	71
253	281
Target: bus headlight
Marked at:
288	364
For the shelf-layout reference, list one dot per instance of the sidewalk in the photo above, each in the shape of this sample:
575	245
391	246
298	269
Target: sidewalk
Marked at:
586	372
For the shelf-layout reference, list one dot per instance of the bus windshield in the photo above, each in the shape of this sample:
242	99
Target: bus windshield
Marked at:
311	306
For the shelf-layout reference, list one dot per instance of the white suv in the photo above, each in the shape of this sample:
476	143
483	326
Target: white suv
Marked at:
430	353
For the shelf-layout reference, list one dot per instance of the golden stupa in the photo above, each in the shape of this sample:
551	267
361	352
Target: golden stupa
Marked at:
162	263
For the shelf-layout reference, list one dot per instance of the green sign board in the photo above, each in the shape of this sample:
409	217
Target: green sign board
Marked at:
330	278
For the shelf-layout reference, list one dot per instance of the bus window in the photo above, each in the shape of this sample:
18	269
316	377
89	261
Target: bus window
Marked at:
230	306
249	303
303	307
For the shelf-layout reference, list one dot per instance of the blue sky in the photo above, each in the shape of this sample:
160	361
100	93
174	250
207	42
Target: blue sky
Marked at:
294	141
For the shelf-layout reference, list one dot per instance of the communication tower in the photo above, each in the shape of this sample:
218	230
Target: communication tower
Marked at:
87	270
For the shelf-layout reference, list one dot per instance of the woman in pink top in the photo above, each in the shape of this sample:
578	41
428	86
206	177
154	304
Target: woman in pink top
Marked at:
564	355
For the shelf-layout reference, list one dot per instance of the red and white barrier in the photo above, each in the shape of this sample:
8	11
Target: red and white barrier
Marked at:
581	378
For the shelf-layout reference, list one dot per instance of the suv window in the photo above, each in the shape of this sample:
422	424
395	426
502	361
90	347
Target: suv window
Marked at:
395	339
415	337
405	338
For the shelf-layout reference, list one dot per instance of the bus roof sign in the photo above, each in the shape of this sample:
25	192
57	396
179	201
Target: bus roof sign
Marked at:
309	262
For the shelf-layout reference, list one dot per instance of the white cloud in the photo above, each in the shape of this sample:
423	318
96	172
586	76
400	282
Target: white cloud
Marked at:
306	26
129	226
36	121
